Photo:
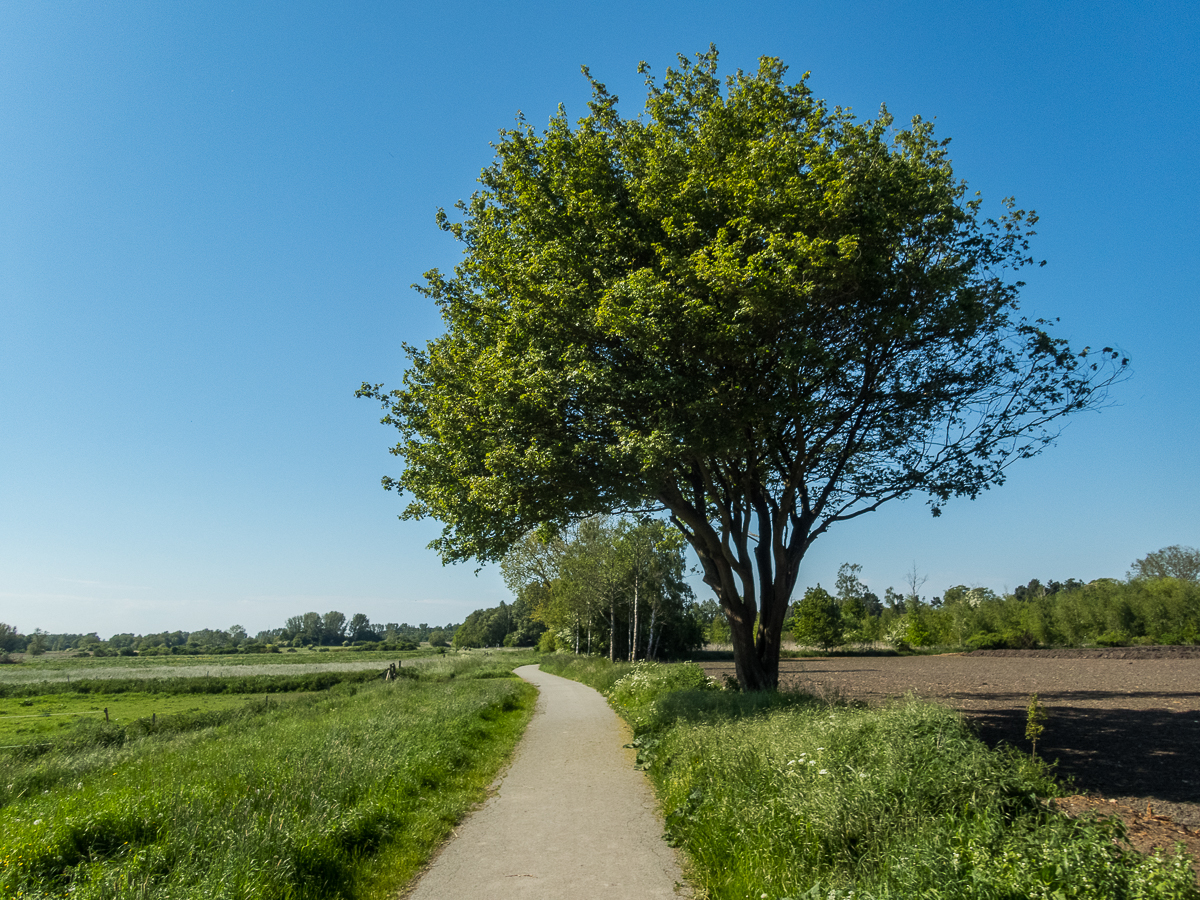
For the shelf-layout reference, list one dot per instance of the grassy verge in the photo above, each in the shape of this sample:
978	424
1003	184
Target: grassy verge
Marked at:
785	796
338	794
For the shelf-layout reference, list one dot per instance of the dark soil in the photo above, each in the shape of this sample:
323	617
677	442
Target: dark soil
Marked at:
1123	723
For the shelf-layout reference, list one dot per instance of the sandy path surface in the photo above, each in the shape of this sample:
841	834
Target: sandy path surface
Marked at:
571	818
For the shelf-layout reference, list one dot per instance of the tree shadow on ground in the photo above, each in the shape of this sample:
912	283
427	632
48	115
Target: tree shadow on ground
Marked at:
1139	752
1063	700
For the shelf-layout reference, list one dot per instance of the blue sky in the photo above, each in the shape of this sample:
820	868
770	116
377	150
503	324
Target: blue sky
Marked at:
211	213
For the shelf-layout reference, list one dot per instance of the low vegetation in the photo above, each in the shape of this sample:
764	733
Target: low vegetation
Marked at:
341	792
784	796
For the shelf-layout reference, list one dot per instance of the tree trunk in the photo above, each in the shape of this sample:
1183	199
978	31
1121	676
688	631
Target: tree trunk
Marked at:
752	584
633	643
756	662
612	629
650	637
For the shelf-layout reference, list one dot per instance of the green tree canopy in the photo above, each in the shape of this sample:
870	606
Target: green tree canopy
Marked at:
10	638
742	307
1169	562
855	600
616	586
360	628
817	619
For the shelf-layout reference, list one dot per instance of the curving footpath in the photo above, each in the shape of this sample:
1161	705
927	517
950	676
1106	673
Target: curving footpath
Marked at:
571	818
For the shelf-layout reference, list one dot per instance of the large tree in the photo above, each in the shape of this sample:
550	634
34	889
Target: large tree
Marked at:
743	308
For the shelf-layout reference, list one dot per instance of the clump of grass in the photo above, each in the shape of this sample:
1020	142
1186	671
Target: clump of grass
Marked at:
342	794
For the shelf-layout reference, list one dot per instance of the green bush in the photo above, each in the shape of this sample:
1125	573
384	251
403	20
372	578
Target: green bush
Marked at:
817	619
987	640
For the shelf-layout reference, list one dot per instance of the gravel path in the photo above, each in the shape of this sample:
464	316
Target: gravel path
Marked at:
571	818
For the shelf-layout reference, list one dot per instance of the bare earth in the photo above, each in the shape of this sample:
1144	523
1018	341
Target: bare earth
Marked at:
570	818
1124	724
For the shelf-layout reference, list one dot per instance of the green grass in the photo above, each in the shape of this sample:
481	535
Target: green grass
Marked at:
787	796
338	794
195	684
42	718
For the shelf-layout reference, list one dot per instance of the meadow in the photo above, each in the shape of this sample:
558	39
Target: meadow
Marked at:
42	718
342	792
55	667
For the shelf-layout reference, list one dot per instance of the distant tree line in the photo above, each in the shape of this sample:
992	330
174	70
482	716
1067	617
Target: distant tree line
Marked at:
1157	603
616	588
306	630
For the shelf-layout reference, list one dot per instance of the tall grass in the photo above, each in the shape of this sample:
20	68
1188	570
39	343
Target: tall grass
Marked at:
342	794
787	796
